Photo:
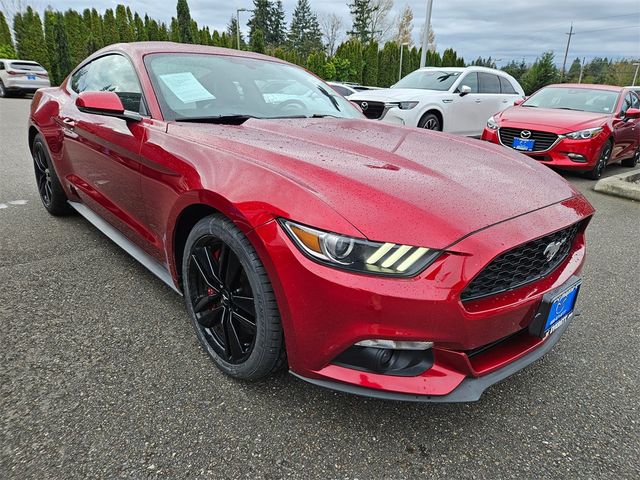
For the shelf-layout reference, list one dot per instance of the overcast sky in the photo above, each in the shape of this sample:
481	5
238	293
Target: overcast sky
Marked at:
501	28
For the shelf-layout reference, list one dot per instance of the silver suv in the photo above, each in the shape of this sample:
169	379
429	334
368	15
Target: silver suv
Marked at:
21	77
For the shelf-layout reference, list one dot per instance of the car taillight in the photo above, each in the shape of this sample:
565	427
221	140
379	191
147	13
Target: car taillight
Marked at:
43	75
12	72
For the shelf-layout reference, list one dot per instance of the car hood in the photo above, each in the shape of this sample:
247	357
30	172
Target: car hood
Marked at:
394	94
556	120
393	184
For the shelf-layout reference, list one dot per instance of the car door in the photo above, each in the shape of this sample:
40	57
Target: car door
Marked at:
625	130
465	112
508	93
103	151
490	97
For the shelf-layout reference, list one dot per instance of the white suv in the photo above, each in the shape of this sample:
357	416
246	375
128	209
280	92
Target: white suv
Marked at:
21	77
455	100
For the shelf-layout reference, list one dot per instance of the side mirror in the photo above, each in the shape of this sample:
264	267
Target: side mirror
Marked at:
464	89
632	113
105	103
519	101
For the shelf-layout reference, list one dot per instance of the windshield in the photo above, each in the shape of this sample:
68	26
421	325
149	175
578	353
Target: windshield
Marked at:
201	86
581	99
428	80
27	66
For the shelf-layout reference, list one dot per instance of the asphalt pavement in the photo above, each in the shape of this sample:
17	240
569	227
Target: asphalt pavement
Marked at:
101	375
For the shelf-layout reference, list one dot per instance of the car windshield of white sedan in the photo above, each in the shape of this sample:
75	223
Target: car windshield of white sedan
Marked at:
581	99
429	80
202	87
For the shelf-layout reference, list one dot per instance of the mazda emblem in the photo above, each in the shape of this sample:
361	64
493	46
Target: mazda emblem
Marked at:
552	249
525	134
364	105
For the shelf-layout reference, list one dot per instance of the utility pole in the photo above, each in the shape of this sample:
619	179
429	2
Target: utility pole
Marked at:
582	69
566	52
425	40
402	45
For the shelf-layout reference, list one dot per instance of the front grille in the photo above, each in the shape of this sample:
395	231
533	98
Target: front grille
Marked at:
372	110
522	265
543	140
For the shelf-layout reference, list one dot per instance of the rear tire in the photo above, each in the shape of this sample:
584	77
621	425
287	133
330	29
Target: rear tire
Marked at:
51	193
633	161
602	162
230	300
430	121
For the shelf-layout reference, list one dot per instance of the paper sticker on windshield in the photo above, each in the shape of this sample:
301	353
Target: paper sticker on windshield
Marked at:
186	87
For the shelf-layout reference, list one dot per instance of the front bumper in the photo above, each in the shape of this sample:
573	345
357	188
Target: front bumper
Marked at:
325	311
565	154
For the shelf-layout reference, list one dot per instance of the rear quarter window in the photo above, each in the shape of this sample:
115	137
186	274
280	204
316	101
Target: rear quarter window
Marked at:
506	87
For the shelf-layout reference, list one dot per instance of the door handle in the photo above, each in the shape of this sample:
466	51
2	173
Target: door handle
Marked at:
477	100
69	123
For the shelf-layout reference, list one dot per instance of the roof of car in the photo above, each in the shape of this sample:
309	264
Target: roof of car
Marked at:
145	48
466	69
589	86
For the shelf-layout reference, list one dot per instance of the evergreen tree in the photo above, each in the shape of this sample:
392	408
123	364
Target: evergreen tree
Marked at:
163	32
123	25
174	30
215	39
50	20
62	53
278	25
5	35
185	32
77	34
95	40
352	51
316	62
260	20
138	28
257	41
515	69
30	44
361	12
370	67
542	72
388	64
450	59
574	71
109	28
304	33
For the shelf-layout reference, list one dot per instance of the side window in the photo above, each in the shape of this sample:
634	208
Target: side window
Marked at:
78	79
489	83
1	65
506	87
635	101
471	81
626	103
114	73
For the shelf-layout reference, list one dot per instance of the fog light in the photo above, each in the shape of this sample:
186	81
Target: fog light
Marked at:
575	157
395	345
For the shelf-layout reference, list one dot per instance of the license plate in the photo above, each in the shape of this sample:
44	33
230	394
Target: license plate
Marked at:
524	144
556	308
31	77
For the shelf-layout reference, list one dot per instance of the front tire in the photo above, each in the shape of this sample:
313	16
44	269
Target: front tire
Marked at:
51	193
3	90
602	162
230	300
430	121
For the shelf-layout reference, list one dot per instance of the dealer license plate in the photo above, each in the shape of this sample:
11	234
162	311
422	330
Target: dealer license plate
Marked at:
524	144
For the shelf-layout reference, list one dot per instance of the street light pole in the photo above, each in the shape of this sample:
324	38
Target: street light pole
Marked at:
238	24
635	75
425	40
402	45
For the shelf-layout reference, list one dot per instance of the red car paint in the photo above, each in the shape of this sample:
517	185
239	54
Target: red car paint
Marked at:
353	176
625	133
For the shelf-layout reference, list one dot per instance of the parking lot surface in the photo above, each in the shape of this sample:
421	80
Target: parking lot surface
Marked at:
101	374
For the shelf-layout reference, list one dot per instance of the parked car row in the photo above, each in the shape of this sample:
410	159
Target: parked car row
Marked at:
20	77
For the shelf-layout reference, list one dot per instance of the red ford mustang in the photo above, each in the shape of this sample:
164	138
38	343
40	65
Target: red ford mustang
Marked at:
381	260
573	127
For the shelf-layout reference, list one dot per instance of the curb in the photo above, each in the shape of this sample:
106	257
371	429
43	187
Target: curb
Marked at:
624	185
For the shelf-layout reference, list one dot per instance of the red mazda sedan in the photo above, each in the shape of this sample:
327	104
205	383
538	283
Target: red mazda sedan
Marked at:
573	127
374	259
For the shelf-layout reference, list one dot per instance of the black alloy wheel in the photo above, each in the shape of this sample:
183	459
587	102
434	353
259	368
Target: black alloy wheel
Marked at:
230	300
603	160
51	192
222	299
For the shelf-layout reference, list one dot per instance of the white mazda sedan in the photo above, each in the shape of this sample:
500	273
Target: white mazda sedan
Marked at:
454	100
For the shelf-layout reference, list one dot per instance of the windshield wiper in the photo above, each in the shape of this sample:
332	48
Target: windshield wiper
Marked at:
328	95
323	115
567	108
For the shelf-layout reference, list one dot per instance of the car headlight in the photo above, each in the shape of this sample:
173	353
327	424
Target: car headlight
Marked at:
357	254
584	134
492	124
403	105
